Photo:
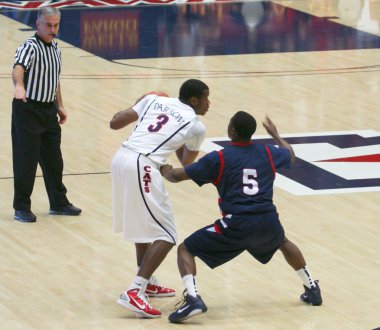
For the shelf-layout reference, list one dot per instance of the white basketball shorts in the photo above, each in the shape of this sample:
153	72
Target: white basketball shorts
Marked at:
141	206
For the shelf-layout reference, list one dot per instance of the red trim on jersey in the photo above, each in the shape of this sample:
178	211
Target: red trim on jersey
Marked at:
241	143
270	160
217	230
221	168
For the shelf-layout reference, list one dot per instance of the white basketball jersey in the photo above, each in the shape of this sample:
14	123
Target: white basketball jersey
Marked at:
164	125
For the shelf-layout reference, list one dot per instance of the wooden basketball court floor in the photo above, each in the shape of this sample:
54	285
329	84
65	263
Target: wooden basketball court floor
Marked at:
67	272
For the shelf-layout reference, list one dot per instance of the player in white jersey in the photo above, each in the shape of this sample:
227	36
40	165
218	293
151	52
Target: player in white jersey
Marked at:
142	209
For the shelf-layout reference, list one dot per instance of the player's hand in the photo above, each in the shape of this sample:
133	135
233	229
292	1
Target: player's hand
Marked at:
270	127
158	93
166	169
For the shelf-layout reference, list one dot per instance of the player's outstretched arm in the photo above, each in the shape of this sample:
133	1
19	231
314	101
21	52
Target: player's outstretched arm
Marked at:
173	174
272	131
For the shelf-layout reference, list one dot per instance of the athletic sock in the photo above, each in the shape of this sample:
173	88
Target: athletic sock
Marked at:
190	285
306	277
139	283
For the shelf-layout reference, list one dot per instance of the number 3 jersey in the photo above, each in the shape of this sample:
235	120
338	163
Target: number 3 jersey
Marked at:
243	174
163	126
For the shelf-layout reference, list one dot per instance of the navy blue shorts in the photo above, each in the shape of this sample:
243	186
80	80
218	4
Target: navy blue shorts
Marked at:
259	234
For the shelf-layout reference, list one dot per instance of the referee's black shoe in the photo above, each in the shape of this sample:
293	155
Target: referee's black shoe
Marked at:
25	216
66	210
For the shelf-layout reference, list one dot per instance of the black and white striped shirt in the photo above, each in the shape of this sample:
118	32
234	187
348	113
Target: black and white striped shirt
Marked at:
42	64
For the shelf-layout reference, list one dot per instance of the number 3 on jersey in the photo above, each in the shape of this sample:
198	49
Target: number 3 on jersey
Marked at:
161	121
251	186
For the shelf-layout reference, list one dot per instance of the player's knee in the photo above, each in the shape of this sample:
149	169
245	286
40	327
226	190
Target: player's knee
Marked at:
181	249
286	244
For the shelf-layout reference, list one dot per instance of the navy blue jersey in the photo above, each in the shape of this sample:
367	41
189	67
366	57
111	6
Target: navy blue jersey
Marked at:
243	174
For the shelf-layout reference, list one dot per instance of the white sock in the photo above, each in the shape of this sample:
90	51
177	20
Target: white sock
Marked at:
139	283
190	285
306	277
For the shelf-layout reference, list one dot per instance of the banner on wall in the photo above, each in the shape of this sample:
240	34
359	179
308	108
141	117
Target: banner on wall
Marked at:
29	5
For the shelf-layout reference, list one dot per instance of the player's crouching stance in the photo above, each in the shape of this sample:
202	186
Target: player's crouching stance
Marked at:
243	174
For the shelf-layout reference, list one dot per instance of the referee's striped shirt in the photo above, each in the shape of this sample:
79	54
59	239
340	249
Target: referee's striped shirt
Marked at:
42	64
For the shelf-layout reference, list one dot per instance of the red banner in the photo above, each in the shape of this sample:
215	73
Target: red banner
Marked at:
28	5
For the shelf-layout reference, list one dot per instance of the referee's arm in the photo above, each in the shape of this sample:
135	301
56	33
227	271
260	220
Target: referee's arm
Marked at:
61	109
18	81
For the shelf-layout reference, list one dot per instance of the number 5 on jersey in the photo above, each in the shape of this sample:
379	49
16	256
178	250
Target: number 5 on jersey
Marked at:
251	186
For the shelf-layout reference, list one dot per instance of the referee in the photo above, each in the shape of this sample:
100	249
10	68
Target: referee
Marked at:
37	112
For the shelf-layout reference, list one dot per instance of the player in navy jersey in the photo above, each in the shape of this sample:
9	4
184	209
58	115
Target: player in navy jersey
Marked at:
243	173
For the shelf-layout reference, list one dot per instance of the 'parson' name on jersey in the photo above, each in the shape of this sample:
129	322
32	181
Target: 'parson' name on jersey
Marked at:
177	116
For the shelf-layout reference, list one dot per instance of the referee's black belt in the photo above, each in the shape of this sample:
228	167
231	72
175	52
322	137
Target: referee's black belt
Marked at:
40	103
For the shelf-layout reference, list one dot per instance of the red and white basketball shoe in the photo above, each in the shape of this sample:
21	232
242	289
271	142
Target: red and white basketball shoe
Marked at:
153	289
138	304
